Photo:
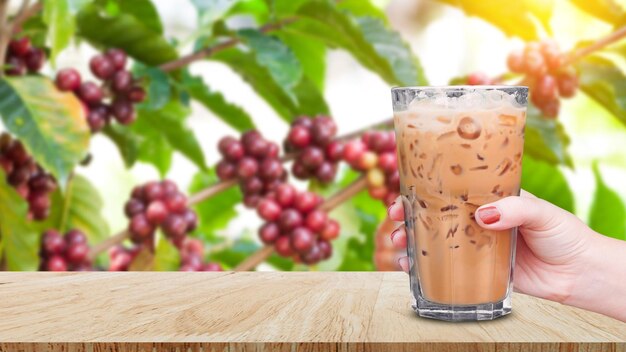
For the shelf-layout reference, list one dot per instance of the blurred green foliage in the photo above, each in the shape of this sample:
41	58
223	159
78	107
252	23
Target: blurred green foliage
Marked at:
281	55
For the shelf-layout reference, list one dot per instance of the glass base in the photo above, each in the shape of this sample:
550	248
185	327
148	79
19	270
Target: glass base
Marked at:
477	312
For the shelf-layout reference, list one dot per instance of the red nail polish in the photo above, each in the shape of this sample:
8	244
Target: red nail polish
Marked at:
489	215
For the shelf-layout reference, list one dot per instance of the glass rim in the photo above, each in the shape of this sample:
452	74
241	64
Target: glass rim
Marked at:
459	88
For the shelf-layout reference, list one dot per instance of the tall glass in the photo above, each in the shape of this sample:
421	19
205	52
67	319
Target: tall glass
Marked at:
459	147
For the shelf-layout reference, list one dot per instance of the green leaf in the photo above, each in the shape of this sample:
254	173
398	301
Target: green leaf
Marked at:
606	10
126	141
154	148
280	8
359	219
215	213
324	22
210	11
515	18
166	256
347	218
389	45
275	56
76	5
280	263
363	8
78	207
547	182
56	14
230	113
546	139
158	86
35	29
257	9
240	250
605	83
50	124
144	11
145	141
358	253
260	80
288	102
126	32
311	102
20	241
143	261
168	123
311	54
608	213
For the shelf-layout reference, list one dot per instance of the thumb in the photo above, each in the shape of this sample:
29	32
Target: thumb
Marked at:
528	212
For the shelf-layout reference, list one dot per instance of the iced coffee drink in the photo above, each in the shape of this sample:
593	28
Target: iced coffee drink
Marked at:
459	148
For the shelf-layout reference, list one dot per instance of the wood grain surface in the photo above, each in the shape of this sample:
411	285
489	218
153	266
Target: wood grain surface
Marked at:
255	311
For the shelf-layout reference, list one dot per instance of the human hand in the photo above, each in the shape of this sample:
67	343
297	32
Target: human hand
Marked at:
558	256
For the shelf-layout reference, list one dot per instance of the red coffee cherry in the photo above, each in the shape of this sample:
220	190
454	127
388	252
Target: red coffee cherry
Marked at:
568	84
269	210
117	57
534	63
269	232
302	239
101	66
515	61
19	47
299	136
546	88
478	79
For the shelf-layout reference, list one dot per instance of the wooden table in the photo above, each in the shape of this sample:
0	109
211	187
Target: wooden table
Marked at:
250	311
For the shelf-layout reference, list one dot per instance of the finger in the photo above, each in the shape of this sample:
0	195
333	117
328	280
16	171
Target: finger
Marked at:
528	212
396	210
526	194
404	264
398	237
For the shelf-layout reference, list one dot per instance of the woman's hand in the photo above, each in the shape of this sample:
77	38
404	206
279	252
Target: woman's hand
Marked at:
558	256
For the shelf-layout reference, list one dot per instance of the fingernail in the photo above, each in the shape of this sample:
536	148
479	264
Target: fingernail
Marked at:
393	234
489	215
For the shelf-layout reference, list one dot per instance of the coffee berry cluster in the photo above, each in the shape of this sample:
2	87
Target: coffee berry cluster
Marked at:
191	254
317	151
69	252
542	63
159	204
374	154
112	98
295	226
23	57
253	161
28	178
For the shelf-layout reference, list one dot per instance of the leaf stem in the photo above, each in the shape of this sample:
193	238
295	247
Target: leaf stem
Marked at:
383	124
337	199
206	52
597	45
106	244
211	191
